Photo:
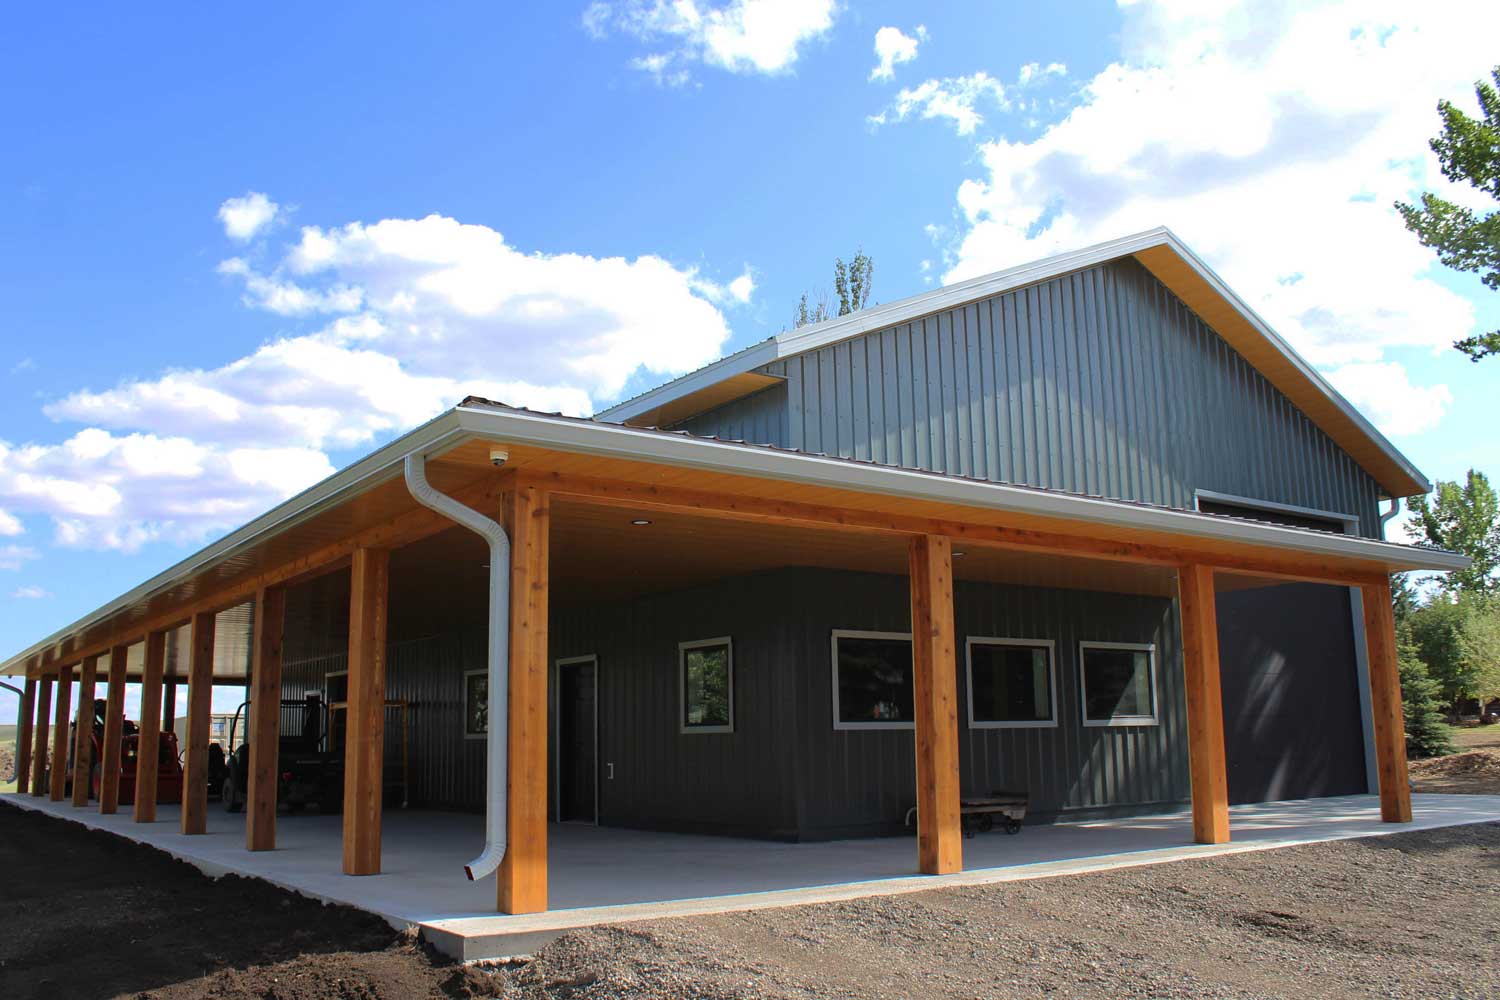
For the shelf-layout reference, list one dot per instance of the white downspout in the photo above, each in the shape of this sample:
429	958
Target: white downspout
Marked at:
496	761
1386	516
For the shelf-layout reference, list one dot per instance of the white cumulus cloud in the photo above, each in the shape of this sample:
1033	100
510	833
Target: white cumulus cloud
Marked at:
742	36
1384	393
404	317
956	99
1273	138
245	217
892	47
12	557
30	592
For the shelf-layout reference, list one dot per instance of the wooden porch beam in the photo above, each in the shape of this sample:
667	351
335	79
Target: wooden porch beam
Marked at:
148	729
1205	704
39	737
83	733
114	727
265	720
401	530
1385	703
23	736
200	706
364	726
935	688
57	773
638	496
522	878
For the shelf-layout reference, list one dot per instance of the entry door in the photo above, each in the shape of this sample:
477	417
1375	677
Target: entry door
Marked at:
578	740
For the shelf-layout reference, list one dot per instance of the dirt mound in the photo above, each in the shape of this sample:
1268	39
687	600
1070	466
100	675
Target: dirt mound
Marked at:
7	760
1474	772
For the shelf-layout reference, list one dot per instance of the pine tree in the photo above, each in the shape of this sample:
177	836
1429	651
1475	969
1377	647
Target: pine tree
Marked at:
1427	735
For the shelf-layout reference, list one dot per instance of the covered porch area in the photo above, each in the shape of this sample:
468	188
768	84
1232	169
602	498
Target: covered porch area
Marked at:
571	496
606	875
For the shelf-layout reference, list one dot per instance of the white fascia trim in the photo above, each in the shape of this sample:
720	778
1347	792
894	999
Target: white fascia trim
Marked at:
617	441
818	335
432	438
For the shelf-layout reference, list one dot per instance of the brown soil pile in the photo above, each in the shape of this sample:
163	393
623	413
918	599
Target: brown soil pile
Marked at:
7	761
1475	772
1411	915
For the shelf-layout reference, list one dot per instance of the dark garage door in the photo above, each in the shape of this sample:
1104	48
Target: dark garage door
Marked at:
1292	727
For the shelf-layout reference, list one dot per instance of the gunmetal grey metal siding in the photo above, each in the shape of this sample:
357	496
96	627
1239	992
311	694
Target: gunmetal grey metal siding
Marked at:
863	781
760	418
1100	382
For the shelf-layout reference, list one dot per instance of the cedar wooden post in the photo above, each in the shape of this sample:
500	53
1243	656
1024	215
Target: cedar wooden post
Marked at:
364	723
148	734
114	721
522	880
1205	704
265	720
935	687
83	738
1385	703
39	737
200	705
57	772
23	737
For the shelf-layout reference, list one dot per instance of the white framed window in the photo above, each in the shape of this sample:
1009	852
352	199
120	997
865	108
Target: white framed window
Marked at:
1012	683
705	676
476	704
1118	683
872	680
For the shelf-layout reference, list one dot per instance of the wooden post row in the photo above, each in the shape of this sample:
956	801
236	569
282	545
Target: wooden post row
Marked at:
935	690
200	705
83	734
1205	704
1385	704
39	737
265	719
148	732
114	723
364	753
521	883
57	771
23	736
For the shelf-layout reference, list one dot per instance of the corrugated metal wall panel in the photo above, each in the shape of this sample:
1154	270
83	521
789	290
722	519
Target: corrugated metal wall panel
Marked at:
863	781
1100	382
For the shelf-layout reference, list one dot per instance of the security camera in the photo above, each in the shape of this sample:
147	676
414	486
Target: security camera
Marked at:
498	456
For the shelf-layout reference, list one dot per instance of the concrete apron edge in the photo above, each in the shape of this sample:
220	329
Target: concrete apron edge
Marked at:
505	937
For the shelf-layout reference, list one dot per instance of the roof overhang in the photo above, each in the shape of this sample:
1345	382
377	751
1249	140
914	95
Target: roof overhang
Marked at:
480	422
1160	251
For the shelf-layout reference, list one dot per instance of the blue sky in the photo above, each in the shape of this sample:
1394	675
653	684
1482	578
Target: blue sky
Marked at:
240	249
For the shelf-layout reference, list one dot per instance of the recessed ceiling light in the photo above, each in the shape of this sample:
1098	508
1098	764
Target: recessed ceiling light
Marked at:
641	521
958	553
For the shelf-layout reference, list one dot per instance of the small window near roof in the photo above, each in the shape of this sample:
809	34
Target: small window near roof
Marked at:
1011	683
872	680
706	671
1119	683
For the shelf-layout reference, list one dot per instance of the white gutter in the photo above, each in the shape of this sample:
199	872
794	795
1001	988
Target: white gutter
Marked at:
590	437
497	765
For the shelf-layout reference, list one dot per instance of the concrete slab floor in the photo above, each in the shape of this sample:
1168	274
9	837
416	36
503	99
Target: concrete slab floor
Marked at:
607	875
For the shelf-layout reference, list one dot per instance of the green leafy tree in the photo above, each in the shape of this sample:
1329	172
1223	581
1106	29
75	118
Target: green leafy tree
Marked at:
851	281
1464	519
1468	151
1437	632
1479	644
1427	735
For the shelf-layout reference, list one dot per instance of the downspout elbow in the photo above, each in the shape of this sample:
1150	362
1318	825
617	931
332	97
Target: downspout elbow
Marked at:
498	665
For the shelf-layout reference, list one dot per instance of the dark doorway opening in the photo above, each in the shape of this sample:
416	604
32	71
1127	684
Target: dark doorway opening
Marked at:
578	740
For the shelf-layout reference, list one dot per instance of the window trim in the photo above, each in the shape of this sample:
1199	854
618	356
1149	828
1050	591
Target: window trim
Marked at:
990	640
682	650
833	647
1119	721
465	709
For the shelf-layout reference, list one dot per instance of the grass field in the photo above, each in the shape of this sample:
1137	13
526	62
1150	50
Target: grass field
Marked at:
1475	737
